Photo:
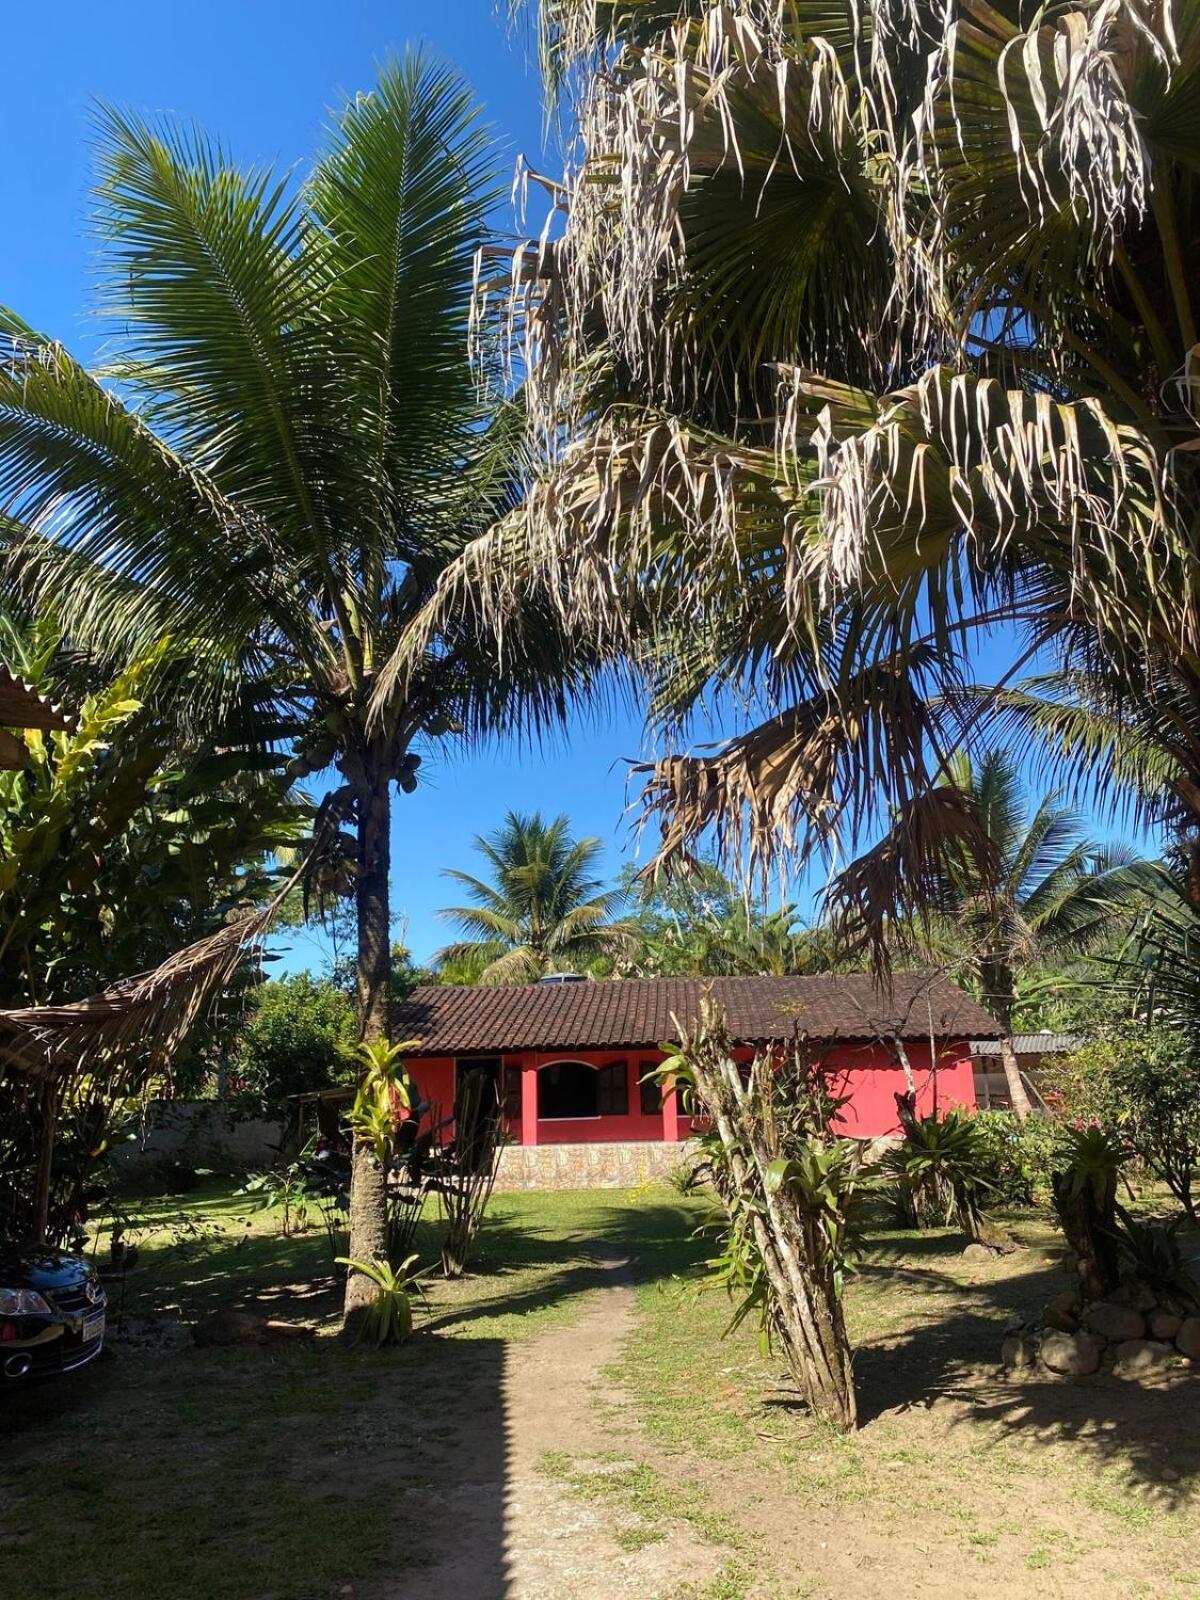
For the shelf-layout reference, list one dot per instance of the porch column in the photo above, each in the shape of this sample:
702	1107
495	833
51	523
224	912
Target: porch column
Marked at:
670	1115
529	1100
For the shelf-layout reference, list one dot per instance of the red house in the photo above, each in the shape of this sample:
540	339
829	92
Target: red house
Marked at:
568	1057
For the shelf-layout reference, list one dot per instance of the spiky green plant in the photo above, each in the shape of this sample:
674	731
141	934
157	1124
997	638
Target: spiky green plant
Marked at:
940	1167
389	1318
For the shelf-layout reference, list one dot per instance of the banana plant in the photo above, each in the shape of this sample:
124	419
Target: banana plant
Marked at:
124	839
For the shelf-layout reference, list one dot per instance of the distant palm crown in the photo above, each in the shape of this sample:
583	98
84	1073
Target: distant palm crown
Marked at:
544	910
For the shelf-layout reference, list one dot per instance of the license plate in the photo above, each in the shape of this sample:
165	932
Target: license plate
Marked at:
93	1329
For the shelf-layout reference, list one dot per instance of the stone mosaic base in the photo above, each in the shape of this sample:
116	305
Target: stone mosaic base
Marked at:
588	1166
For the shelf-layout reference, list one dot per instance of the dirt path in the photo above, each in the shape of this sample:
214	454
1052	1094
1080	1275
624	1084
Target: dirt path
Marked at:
514	1528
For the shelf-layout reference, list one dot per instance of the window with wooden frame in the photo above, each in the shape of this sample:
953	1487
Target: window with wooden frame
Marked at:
612	1090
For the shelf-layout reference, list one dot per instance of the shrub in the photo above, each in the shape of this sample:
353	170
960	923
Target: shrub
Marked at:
294	1040
1016	1158
1144	1084
1152	1253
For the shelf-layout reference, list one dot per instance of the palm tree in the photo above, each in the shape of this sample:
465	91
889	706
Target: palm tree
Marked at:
284	451
700	924
865	331
1037	891
544	911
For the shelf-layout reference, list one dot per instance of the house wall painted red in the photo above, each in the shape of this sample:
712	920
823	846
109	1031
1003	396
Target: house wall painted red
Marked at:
869	1075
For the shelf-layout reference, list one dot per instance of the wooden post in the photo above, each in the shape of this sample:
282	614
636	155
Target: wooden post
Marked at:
41	1192
529	1088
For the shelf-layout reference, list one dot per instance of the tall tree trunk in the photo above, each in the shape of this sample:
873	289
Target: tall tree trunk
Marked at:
1000	985
368	1181
1012	1074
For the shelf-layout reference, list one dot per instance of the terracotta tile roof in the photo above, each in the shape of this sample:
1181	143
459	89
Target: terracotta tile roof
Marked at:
627	1013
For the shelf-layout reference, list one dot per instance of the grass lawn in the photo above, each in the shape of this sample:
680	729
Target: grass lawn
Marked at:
291	1470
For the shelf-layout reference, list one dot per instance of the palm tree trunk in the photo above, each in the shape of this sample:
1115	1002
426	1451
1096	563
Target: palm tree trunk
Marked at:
368	1182
1001	993
1012	1075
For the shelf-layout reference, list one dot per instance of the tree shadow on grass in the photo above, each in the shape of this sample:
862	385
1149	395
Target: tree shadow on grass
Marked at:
654	1241
288	1471
1149	1434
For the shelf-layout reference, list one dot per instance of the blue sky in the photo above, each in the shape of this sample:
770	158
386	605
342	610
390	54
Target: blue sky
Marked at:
264	74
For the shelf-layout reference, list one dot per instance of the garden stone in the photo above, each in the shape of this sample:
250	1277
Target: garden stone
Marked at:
1062	1321
1164	1324
1138	1358
1019	1351
977	1252
1066	1301
1114	1322
1187	1340
1073	1355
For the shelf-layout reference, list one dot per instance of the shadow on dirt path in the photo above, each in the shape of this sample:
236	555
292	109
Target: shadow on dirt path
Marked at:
505	1529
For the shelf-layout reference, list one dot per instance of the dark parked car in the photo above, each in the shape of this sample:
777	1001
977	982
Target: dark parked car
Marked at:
52	1309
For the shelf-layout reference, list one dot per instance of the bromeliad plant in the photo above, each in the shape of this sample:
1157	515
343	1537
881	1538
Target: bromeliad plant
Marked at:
384	1092
940	1168
1084	1185
1151	1253
791	1193
389	1319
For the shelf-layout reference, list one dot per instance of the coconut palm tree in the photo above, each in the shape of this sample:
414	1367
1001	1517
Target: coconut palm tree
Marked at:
286	446
544	910
1040	890
867	329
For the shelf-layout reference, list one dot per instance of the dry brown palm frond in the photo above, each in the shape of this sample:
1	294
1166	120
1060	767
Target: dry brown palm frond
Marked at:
898	883
148	1015
21	706
753	88
786	785
1012	473
645	513
663	118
